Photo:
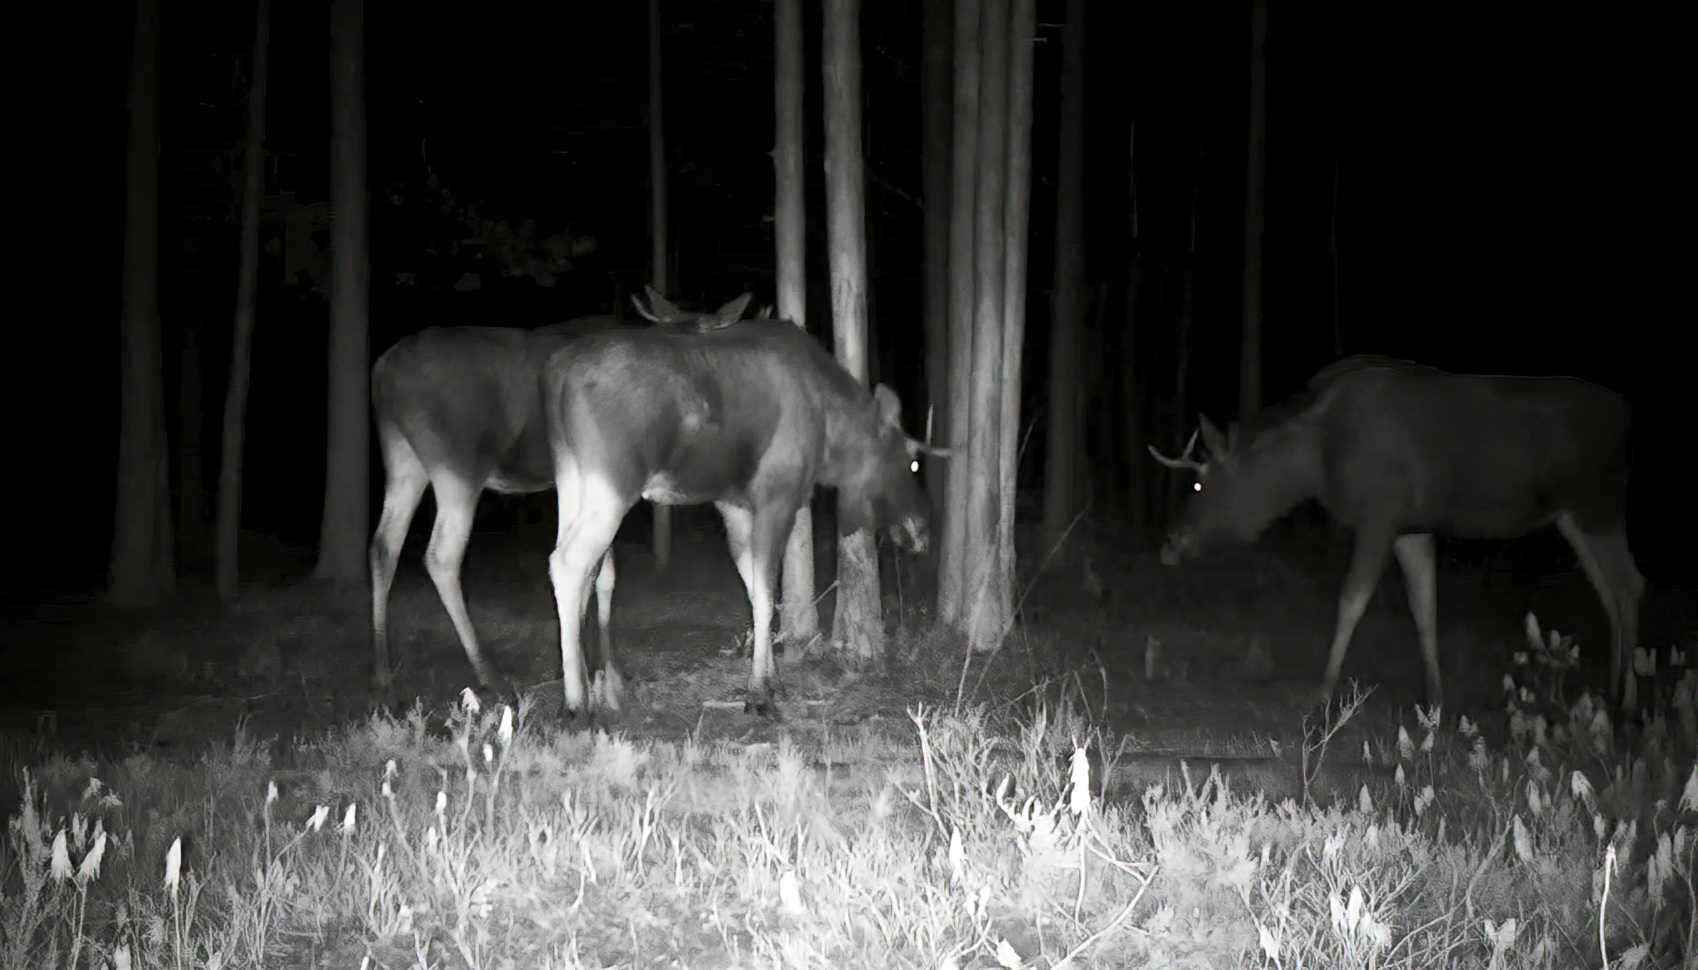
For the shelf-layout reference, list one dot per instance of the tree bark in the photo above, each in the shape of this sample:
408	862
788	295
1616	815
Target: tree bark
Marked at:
952	551
1061	459
1250	351
1016	216
241	344
143	569
798	617
934	173
1183	423
988	601
342	542
1137	398
858	627
662	538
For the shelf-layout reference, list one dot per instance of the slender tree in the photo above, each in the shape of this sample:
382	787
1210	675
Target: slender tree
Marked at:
989	603
1136	397
963	188
1255	206
241	344
857	628
1067	305
799	619
1182	418
342	542
662	539
1016	216
143	569
1337	326
935	88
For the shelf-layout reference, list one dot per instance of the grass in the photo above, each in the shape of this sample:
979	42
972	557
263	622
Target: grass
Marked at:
486	838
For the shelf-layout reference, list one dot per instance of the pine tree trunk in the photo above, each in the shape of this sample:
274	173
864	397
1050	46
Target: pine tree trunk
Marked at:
798	617
1022	26
858	627
346	528
952	592
142	568
662	539
935	106
1250	349
241	344
988	602
1061	458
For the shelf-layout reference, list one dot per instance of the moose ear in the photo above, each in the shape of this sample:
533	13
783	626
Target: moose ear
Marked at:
889	406
665	311
1219	445
728	314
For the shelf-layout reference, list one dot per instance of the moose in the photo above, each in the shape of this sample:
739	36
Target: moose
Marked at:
749	418
1399	453
459	409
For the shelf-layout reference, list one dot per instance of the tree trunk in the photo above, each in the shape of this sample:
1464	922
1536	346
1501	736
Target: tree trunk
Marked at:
241	344
342	544
963	189
1250	351
142	567
1182	420
1337	326
1135	401
1138	424
799	620
989	602
1016	216
934	174
858	627
1061	459
662	538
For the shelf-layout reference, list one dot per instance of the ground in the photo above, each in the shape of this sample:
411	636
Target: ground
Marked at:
1209	659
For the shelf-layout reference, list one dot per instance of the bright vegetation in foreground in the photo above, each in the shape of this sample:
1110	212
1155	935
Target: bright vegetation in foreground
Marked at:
946	845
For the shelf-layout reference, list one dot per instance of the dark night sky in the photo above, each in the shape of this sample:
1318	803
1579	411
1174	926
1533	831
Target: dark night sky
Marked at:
1503	185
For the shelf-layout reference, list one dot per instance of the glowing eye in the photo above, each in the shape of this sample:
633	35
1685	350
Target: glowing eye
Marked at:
1196	486
914	465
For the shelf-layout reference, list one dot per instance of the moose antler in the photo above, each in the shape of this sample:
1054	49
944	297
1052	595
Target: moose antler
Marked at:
1183	461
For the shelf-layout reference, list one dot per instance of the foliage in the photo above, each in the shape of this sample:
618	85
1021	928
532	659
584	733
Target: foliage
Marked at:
484	840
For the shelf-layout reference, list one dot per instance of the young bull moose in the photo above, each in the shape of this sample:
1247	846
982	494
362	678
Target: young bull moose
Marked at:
460	410
1398	452
749	418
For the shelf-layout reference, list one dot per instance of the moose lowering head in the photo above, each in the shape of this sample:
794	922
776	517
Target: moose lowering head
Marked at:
1399	453
750	418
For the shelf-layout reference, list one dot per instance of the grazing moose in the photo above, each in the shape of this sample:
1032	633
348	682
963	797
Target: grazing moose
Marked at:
459	409
749	418
1398	452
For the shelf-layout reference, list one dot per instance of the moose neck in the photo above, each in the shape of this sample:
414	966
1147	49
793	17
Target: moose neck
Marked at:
1283	463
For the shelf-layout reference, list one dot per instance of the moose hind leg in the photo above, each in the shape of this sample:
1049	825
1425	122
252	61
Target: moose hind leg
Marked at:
404	486
756	549
1608	564
589	517
1366	564
613	683
1418	556
456	502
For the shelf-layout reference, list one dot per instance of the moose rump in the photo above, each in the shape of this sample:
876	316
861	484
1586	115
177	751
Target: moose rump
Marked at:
749	418
1399	453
